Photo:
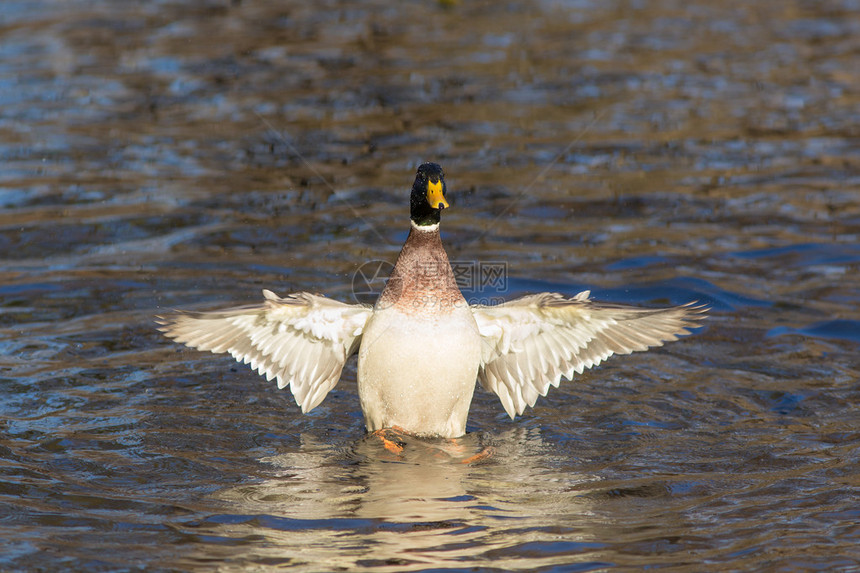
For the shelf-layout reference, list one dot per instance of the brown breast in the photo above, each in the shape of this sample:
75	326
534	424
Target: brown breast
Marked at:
422	282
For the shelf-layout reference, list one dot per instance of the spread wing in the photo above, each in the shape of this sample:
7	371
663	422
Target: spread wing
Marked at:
531	342
303	340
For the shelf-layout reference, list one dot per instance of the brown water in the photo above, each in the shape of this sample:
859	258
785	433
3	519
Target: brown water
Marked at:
179	154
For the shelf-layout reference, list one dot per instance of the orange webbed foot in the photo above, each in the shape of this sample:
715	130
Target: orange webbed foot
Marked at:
484	454
390	439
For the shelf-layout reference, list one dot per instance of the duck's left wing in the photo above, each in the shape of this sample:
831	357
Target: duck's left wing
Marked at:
531	342
303	340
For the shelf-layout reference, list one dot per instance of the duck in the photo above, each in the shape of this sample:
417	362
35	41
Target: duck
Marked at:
422	347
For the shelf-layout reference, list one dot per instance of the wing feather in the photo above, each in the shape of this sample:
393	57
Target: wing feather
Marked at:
532	342
302	340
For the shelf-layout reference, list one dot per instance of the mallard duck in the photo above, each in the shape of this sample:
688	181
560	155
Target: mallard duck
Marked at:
421	347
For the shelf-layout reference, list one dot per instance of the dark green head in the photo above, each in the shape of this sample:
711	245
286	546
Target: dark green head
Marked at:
428	194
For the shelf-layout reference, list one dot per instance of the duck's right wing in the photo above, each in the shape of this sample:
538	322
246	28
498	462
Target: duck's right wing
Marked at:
531	342
303	340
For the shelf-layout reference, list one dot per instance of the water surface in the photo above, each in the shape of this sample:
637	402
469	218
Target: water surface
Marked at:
186	155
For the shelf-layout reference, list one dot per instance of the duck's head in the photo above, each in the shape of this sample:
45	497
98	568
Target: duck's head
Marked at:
428	195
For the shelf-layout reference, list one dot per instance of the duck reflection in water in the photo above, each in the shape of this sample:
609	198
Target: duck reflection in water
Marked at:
422	507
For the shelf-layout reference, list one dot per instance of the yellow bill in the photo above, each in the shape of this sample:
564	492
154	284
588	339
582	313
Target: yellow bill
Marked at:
435	196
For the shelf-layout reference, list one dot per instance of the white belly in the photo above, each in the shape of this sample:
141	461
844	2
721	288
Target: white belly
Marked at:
418	373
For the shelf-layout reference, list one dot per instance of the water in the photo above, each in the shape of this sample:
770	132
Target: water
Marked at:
175	155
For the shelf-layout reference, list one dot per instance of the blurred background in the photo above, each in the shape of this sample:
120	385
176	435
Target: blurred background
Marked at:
158	155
